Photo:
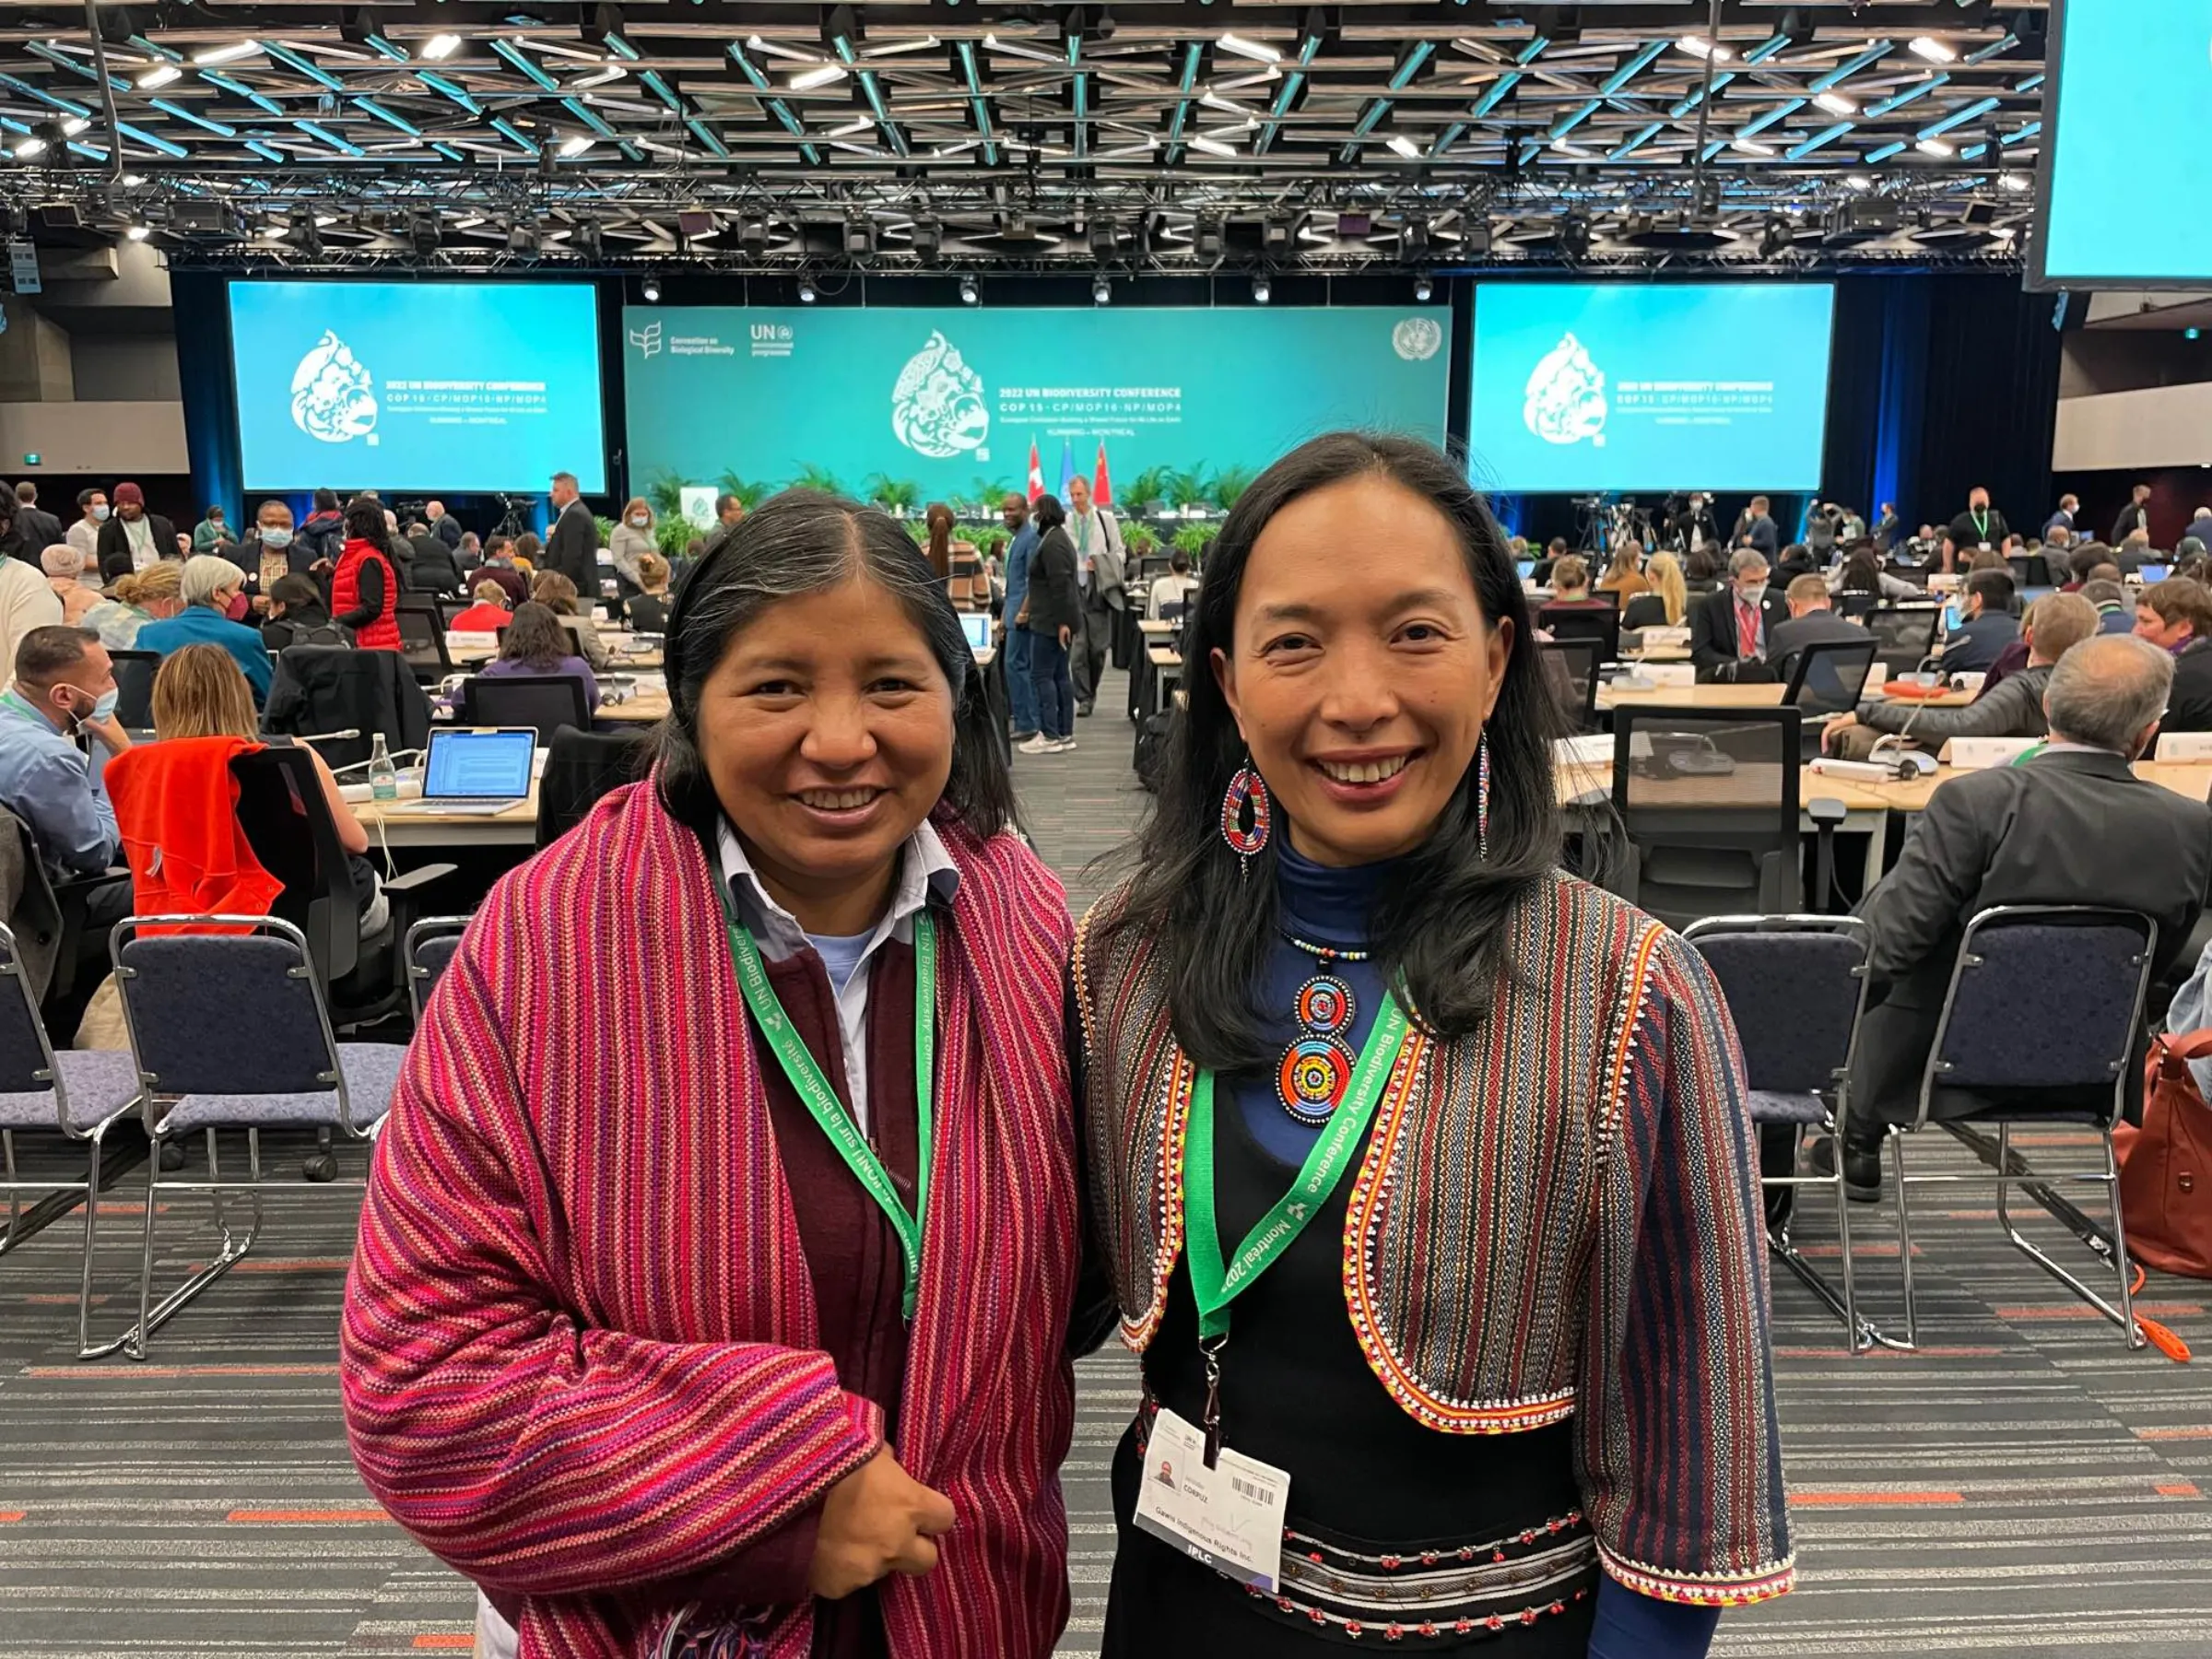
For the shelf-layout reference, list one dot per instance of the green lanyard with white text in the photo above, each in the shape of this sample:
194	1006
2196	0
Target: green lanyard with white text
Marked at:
1215	1283
821	1100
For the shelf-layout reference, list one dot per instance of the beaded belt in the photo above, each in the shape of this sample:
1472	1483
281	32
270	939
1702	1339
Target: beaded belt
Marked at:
1429	1591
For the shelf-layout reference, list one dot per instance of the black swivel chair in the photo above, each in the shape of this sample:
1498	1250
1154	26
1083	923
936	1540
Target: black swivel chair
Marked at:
1574	622
135	672
1708	800
545	701
422	642
1857	607
580	768
1827	678
1904	635
1571	669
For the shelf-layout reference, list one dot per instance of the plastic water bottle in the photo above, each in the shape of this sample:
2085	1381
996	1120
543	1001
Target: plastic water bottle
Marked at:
384	776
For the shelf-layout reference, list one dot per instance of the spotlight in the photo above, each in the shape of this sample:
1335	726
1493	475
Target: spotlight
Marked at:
307	236
752	236
968	294
1102	290
422	230
1415	242
650	289
1261	290
860	238
1207	242
1574	236
1102	239
586	241
1774	240
1423	289
806	291
522	238
929	236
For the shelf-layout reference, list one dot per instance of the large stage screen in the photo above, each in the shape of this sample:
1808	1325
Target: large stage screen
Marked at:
952	401
1638	386
2126	144
454	386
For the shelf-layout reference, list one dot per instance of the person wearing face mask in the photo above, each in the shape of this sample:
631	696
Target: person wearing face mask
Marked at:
633	539
1729	630
58	731
134	539
1980	528
26	602
271	550
210	585
83	536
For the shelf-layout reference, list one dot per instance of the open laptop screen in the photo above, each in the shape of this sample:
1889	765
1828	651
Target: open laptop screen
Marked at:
976	625
479	765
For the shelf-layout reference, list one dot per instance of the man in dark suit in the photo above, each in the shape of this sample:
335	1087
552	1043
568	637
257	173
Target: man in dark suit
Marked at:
134	537
1730	629
433	569
443	525
1754	528
2072	825
1813	621
572	546
2133	517
38	528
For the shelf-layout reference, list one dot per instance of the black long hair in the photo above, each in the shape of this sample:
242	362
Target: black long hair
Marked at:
1439	924
804	541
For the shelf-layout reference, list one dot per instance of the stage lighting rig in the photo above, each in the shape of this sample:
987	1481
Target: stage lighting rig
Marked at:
1574	236
1423	289
522	238
860	238
587	241
1102	290
651	289
969	295
806	291
423	233
1776	236
306	235
1263	290
929	237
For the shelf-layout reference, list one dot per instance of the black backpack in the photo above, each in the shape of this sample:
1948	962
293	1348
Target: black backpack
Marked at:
1152	748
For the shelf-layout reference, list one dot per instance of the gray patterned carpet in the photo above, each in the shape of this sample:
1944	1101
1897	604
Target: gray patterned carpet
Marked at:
2023	1485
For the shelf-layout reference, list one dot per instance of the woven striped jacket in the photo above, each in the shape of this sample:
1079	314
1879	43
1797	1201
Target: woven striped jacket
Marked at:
578	1353
1556	1216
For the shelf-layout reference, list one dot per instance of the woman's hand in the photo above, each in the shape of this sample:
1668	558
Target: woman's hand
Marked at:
877	1520
1067	634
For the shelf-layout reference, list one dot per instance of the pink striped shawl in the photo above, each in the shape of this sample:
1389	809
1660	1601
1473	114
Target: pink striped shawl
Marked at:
578	1354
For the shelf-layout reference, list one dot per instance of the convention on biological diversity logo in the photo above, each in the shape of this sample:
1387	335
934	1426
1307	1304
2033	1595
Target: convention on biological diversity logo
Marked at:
647	340
1566	401
333	397
1416	339
937	406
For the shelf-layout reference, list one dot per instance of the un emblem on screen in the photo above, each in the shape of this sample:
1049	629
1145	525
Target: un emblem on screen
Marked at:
1566	398
333	398
1417	339
937	406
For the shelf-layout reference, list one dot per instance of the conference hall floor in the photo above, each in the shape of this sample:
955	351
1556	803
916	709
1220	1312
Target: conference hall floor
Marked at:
2022	1485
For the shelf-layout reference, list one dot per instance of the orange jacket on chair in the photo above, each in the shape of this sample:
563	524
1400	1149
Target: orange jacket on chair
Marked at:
176	805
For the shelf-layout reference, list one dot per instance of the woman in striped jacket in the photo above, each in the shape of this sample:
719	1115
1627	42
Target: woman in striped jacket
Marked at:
716	1270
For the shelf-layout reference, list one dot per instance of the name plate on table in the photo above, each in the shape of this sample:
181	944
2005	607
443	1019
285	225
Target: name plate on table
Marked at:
1668	674
1976	754
1678	637
2184	746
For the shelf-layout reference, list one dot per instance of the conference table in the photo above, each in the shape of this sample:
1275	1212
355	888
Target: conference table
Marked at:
1612	695
467	650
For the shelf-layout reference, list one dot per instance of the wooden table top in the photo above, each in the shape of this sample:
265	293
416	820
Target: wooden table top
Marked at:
1720	696
2190	778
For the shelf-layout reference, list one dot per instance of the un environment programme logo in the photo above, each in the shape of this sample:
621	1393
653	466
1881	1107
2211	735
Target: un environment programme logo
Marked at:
1566	400
647	340
333	397
937	408
1417	339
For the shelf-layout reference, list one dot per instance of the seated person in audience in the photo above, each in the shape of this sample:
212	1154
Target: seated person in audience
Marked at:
1554	550
487	614
431	569
1862	573
209	585
649	605
200	693
211	533
1796	560
64	567
2133	552
152	594
1570	586
2115	616
2176	616
498	566
470	553
536	642
297	616
64	687
26	602
1813	621
1988	626
1625	574
1665	600
1729	630
525	552
559	594
1175	588
2072	824
2056	623
1706	568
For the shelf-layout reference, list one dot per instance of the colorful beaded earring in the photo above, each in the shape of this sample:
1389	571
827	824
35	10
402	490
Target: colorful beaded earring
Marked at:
1247	789
1482	796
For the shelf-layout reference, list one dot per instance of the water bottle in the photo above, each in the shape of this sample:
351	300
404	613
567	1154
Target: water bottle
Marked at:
384	776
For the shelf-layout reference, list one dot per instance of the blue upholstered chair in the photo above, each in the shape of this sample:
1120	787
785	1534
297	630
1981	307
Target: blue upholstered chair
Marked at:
429	947
1999	1058
75	1096
184	996
1795	987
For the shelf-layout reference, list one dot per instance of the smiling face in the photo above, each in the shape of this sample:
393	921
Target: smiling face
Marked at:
827	728
1363	668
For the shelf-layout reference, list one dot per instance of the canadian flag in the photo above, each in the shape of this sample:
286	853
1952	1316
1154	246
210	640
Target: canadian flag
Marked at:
1036	472
1101	486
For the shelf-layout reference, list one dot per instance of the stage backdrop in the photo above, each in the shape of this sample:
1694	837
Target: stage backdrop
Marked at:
953	401
443	386
1649	386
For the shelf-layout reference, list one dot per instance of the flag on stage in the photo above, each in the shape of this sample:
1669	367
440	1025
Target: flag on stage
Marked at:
1101	485
1036	472
1067	467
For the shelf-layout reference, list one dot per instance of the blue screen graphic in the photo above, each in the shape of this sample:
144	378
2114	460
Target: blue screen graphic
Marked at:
1620	386
2135	88
452	386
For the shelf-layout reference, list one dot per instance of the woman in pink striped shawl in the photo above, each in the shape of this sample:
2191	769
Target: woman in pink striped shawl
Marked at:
715	1279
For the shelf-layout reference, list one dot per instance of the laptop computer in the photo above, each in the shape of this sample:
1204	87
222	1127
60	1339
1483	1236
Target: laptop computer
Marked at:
477	770
2154	573
976	625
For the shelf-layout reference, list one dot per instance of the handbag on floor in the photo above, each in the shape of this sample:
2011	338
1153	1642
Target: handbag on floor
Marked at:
2166	1169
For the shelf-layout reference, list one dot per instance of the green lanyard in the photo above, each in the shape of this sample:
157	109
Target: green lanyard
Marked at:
1980	522
821	1100
1216	1284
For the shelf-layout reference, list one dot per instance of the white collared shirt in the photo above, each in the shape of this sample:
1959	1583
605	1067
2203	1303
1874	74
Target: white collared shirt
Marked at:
925	869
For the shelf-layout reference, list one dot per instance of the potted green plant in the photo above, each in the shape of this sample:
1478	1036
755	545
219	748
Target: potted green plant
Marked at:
664	494
812	477
1189	491
751	493
1230	483
1141	540
1194	539
991	539
897	497
1148	491
673	535
607	529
